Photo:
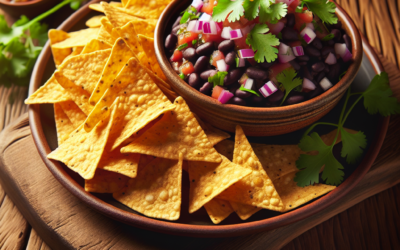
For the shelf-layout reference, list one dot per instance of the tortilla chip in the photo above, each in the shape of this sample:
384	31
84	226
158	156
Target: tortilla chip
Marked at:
214	135
78	38
77	50
94	22
165	88
148	47
149	9
82	151
50	92
129	35
107	25
56	36
177	132
226	148
156	192
99	8
73	112
124	2
218	210
207	180
120	55
115	161
145	27
63	124
118	17
105	36
255	189
244	211
95	45
85	70
106	182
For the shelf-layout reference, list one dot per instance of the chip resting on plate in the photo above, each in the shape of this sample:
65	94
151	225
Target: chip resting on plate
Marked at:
63	124
94	22
207	180
177	132
115	161
218	210
95	45
77	38
106	182
156	191
50	92
214	135
148	9
145	27
73	112
244	211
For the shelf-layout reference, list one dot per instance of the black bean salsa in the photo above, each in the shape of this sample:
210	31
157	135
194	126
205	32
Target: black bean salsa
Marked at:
281	52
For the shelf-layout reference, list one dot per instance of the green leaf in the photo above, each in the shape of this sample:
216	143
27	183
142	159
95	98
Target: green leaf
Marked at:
252	8
227	7
310	165
19	59
273	13
248	90
325	10
328	37
353	145
288	80
39	31
262	43
182	46
378	97
218	79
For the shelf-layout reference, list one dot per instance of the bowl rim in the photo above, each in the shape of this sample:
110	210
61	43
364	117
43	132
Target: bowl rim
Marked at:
213	105
17	4
143	222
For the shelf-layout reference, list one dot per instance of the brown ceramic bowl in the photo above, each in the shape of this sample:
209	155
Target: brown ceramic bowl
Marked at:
256	121
30	8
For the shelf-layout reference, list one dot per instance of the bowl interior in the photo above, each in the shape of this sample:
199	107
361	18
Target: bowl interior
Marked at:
30	2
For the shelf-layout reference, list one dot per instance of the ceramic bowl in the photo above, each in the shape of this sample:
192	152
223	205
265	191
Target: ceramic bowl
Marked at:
256	121
29	8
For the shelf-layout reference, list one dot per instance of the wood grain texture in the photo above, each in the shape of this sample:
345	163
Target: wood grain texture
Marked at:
36	243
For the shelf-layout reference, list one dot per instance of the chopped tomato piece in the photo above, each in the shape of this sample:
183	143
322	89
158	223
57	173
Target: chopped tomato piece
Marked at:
294	44
307	16
177	56
212	38
241	43
292	7
274	70
217	90
187	37
208	7
252	61
216	56
187	68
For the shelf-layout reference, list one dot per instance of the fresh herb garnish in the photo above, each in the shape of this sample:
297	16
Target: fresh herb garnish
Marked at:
182	76
328	37
341	76
377	98
182	46
262	44
325	10
218	79
316	26
227	7
189	15
249	90
289	81
274	13
194	42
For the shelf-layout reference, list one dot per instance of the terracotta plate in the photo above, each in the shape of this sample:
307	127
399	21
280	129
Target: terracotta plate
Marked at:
198	224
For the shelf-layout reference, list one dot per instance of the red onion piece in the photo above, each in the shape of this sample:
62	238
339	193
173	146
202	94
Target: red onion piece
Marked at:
347	56
307	86
268	89
325	84
226	33
199	27
331	59
246	53
311	26
276	28
225	96
197	4
192	26
342	50
308	35
286	58
284	49
285	53
242	62
210	28
222	66
205	17
236	34
248	84
298	51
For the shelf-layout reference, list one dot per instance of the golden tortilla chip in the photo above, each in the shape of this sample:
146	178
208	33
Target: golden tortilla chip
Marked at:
156	191
94	22
218	210
99	8
244	211
207	180
106	182
129	35
107	25
145	27
95	45
106	37
148	47
118	17
165	88
73	112
78	38
50	92
149	9
124	2
82	151
56	36
120	55
115	161
177	132
77	50
214	135
226	148
255	189
63	124
85	70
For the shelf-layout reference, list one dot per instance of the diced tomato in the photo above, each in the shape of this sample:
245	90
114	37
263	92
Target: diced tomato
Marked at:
307	16
216	56
187	37
187	68
217	90
177	56
292	7
208	7
274	70
241	43
212	38
252	61
299	22
294	44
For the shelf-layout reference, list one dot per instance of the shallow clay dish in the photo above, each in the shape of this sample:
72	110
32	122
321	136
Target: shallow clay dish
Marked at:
256	121
198	224
30	8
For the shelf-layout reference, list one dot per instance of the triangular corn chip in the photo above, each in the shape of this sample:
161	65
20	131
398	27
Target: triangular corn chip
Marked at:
56	36
94	22
226	148
82	151
256	189
149	9
156	191
207	180
124	2
105	36
218	210
148	47
99	8
145	27
120	55
177	132
78	38
214	135
129	35
115	161
106	182
73	112
95	45
50	92
165	88
117	16
244	211
63	124
107	25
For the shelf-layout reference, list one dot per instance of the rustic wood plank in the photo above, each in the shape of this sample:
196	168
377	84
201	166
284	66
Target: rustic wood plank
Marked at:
36	243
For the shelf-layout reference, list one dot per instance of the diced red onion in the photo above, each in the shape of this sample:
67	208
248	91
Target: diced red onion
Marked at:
268	89
276	28
210	28
222	66
199	27
325	84
197	4
205	17
246	53
242	62
192	26
284	49
342	50
347	56
307	86
308	35
298	51
311	26
226	33
236	34
225	96
331	59
285	53
288	2
249	83
286	58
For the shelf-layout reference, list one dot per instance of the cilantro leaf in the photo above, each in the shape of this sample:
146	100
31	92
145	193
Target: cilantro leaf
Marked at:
263	43
227	7
218	79
378	97
242	88
273	13
310	165
288	80
325	10
353	145
39	32
252	8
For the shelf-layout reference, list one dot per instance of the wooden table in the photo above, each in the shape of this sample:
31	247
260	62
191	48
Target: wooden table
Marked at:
371	224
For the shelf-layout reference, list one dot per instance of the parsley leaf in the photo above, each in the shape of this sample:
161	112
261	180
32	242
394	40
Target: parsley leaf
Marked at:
312	164
325	10
353	145
262	43
227	7
288	80
218	79
273	13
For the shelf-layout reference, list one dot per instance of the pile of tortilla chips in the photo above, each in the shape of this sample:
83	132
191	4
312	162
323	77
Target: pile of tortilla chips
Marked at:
126	132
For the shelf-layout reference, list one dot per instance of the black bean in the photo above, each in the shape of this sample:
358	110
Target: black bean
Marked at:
242	94
304	58
326	50
195	81
317	43
233	76
302	63
329	42
177	22
276	97
257	101
334	72
295	65
290	20
233	87
226	46
337	25
206	88
208	73
318	66
201	64
312	51
289	34
230	58
256	73
347	40
258	84
205	49
317	91
190	54
326	70
176	29
238	101
170	41
266	65
294	99
337	34
320	76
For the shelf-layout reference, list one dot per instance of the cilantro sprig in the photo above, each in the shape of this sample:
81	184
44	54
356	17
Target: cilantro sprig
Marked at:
377	99
227	7
218	79
325	10
263	44
289	81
